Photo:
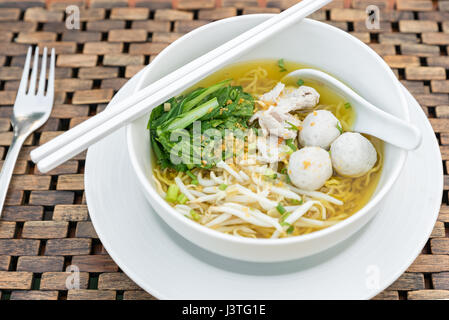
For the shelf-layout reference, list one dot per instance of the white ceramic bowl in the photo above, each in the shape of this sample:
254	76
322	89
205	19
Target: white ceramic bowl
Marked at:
310	42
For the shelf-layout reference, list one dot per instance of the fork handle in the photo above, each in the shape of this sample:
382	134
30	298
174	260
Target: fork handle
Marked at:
8	166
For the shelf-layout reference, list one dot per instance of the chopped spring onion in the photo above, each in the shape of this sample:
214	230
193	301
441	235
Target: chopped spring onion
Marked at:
195	215
296	202
284	216
300	82
190	174
194	179
293	127
281	65
182	198
347	105
172	193
270	174
289	142
339	128
290	229
280	209
222	186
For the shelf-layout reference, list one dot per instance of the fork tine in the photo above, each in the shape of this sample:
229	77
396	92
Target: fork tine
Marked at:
25	73
41	88
51	75
32	89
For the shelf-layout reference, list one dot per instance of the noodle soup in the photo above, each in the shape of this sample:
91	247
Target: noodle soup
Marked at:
299	178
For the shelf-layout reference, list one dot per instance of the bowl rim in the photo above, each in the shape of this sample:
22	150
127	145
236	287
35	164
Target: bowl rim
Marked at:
149	190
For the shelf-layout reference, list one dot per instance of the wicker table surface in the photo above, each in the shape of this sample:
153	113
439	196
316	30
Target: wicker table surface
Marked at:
45	227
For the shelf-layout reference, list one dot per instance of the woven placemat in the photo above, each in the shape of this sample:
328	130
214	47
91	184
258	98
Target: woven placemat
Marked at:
45	226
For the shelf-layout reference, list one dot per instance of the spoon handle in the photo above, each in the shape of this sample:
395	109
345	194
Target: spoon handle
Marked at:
369	119
387	127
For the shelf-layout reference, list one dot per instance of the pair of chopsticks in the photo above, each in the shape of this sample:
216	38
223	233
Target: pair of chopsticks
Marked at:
74	141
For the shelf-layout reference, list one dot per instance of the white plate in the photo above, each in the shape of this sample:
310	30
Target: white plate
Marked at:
169	267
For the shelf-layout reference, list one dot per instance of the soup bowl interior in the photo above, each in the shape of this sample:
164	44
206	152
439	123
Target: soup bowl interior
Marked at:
311	43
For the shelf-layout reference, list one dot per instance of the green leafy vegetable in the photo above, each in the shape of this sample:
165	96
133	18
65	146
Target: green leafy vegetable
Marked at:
290	229
296	202
219	107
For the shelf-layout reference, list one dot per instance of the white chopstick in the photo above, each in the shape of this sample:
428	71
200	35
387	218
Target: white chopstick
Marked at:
92	123
79	138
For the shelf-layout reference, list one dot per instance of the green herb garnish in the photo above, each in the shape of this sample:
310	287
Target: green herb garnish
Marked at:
290	143
190	174
172	193
222	186
347	105
181	199
194	178
195	216
290	229
339	128
300	82
283	217
281	65
293	127
280	209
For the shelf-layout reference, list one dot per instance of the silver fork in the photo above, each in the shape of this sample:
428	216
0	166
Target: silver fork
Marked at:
31	110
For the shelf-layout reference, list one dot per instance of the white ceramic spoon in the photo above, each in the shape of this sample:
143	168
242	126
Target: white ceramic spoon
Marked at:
369	119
